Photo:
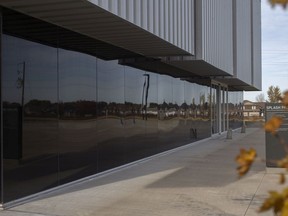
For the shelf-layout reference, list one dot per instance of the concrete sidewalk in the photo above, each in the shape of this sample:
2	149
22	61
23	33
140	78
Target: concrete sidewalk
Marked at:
200	179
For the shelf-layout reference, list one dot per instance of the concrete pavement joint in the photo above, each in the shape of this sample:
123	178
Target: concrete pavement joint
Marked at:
255	193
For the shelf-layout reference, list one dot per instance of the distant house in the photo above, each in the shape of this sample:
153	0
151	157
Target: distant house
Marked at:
253	109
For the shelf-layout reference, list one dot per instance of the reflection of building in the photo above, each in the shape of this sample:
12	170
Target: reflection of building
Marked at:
253	109
111	82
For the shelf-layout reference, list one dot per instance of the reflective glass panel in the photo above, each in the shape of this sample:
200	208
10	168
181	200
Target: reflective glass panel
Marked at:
235	100
110	115
77	109
180	132
137	85
151	112
203	124
30	114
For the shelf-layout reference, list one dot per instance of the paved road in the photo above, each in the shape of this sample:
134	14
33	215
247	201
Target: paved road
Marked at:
197	180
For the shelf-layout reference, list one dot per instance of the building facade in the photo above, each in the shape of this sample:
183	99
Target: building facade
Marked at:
90	85
253	109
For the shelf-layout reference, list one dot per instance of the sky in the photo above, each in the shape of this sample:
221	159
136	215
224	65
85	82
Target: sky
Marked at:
274	49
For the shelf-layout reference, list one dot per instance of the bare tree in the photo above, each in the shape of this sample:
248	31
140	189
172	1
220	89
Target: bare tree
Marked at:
260	98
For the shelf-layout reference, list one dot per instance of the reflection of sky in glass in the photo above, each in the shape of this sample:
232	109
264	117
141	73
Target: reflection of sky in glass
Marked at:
153	89
235	97
165	93
84	77
110	83
189	93
134	83
77	76
203	91
40	73
178	92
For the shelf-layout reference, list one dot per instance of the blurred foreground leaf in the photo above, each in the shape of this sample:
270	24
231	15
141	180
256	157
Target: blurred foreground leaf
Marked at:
283	163
273	124
245	159
282	179
276	201
285	99
281	2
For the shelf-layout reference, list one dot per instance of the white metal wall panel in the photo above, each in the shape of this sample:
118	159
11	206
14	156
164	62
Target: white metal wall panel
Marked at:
171	20
152	17
243	41
156	15
217	34
137	13
256	30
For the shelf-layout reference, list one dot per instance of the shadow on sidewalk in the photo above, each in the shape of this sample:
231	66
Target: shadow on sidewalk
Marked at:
209	164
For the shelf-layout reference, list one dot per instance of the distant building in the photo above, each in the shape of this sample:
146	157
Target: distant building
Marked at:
253	109
90	85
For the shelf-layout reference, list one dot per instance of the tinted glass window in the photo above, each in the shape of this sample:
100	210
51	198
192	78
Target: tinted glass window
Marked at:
30	113
110	115
77	109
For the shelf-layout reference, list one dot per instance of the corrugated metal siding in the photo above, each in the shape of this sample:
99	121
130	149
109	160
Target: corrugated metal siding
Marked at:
256	27
171	20
243	41
217	34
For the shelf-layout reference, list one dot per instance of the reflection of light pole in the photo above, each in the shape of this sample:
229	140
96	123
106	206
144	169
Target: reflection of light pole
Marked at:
144	85
21	83
146	94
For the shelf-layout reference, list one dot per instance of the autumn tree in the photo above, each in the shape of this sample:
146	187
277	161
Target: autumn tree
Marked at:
274	94
260	98
284	3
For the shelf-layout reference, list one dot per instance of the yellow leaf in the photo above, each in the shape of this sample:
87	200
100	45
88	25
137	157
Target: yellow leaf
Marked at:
245	159
283	163
281	2
284	211
270	202
273	124
276	201
285	99
282	179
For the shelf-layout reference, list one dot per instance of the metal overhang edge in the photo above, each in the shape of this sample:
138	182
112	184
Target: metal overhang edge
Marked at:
163	48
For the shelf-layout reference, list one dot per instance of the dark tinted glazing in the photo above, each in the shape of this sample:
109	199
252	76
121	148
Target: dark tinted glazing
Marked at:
110	115
166	122
151	112
201	121
30	123
77	112
235	109
180	132
137	86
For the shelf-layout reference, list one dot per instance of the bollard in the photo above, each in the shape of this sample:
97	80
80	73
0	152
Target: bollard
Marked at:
243	129
229	134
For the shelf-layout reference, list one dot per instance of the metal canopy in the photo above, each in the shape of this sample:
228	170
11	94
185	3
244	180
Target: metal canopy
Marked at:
88	19
90	29
198	67
203	69
236	84
19	25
